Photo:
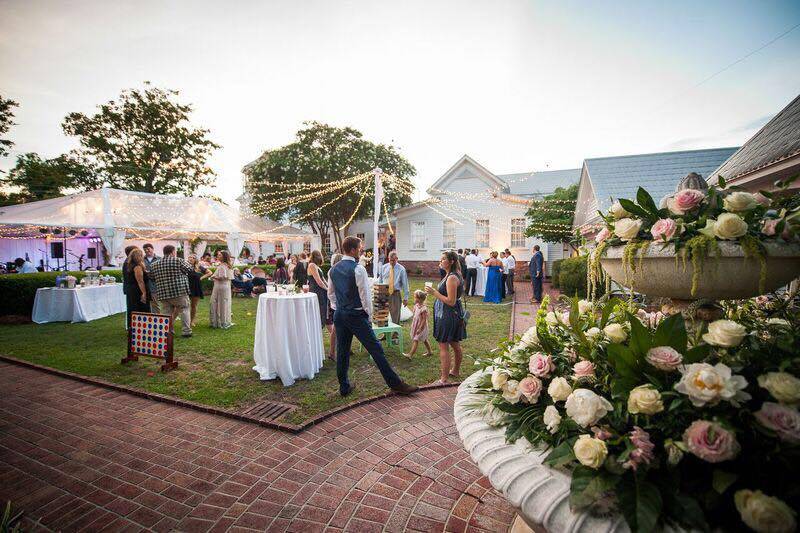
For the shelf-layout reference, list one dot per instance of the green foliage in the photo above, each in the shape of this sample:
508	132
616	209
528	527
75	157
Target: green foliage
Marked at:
544	214
572	277
555	270
142	142
40	179
325	154
6	121
10	523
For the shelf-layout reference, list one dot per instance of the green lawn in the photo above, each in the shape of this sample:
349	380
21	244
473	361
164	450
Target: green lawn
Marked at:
215	366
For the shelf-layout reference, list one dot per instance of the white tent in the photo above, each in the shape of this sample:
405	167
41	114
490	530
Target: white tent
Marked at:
115	216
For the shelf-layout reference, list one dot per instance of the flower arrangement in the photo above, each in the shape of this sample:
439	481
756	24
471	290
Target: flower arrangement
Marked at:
666	424
694	221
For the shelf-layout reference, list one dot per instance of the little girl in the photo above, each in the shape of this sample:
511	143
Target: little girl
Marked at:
419	326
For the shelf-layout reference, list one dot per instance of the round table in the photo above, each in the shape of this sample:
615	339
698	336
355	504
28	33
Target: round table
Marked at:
288	342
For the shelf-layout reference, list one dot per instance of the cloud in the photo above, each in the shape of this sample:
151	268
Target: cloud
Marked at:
733	136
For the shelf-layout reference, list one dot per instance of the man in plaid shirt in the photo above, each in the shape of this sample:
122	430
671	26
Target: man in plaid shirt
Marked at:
170	274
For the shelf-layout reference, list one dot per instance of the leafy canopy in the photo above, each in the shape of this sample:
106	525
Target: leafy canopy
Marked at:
550	218
6	121
40	179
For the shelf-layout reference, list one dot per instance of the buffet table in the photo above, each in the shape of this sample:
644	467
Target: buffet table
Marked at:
288	341
81	304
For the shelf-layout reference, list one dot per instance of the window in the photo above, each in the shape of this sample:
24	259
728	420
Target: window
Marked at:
278	247
448	234
307	247
360	236
326	243
518	233
417	235
482	233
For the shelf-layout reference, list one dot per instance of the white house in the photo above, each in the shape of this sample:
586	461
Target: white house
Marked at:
470	207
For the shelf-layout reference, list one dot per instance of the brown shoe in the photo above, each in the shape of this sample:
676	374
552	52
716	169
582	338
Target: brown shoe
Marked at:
405	389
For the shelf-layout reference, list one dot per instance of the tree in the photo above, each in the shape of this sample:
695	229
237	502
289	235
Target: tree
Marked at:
6	121
321	155
39	179
550	218
142	142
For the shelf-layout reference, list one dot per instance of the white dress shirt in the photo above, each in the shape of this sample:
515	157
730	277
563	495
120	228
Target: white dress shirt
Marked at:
505	263
511	262
472	261
362	282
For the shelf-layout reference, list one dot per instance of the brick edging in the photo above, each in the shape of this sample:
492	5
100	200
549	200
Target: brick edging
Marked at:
280	426
513	317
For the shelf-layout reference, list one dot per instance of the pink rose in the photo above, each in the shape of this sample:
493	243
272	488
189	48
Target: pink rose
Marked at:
664	358
651	320
761	199
769	226
531	388
541	365
710	442
604	234
664	229
685	200
643	452
782	419
583	369
601	433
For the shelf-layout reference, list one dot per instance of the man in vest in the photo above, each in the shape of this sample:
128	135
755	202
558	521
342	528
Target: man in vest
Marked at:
350	297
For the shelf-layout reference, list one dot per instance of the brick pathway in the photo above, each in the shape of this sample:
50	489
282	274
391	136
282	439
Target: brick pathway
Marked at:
80	457
524	311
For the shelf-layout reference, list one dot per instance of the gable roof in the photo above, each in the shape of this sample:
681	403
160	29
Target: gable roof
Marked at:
540	183
465	159
778	140
658	173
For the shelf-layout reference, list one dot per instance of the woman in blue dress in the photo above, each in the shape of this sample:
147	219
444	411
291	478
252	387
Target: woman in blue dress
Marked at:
494	279
449	324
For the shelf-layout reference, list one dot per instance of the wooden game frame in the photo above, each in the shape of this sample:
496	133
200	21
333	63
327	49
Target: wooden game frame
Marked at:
169	362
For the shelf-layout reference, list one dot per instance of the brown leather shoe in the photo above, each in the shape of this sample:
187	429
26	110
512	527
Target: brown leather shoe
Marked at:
405	389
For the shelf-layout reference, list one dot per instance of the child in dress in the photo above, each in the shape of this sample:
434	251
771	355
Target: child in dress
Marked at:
419	325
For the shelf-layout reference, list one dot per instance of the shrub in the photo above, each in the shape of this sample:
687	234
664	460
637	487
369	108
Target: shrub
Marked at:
555	269
572	276
18	291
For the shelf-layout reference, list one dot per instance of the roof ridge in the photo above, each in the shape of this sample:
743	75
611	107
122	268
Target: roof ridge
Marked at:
663	153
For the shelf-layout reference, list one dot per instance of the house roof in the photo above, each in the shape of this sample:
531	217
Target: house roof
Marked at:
540	183
487	174
659	173
778	140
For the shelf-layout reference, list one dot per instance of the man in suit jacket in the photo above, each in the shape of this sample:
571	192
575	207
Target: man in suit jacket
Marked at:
462	262
536	267
350	297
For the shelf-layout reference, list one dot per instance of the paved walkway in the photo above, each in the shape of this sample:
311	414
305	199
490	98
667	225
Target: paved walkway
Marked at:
80	457
524	310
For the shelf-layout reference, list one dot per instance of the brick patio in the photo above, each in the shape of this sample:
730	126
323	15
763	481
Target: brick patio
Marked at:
524	310
75	457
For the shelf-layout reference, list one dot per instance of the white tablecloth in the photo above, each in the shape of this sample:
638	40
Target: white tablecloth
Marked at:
78	305
480	283
288	341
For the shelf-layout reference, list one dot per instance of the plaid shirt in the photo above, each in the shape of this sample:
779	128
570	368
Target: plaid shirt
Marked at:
170	276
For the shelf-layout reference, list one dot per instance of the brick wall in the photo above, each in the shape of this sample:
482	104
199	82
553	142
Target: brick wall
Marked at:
430	269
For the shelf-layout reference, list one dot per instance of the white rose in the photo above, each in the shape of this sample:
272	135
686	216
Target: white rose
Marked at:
729	226
739	201
706	384
530	338
764	513
725	333
590	452
627	228
783	386
615	332
645	399
585	407
618	211
584	306
593	333
778	322
559	389
511	392
551	319
551	418
499	378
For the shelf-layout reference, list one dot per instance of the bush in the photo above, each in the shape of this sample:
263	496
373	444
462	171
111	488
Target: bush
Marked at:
555	269
18	291
572	276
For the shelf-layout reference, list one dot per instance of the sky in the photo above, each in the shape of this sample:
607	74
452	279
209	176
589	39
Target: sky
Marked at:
518	85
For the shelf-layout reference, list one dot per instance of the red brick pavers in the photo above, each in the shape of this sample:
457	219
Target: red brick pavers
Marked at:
75	456
524	311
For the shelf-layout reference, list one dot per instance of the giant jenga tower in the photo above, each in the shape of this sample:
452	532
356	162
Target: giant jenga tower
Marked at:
380	304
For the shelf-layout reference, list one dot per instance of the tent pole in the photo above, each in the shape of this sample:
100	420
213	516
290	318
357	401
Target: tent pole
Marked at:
376	219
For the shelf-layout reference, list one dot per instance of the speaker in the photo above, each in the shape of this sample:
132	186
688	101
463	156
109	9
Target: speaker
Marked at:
57	250
91	253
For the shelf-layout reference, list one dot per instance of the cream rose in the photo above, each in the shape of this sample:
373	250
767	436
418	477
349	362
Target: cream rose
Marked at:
593	333
764	514
725	333
664	358
645	399
783	386
551	319
615	332
559	389
499	378
729	227
627	228
585	407
551	418
531	388
618	211
530	338
511	392
739	202
590	452
708	385
584	306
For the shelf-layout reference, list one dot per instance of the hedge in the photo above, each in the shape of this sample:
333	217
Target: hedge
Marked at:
572	277
555	269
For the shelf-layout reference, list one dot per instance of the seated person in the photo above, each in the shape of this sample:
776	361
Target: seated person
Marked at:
241	282
205	260
24	267
261	260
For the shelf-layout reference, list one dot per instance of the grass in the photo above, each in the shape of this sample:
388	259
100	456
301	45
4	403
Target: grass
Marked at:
215	366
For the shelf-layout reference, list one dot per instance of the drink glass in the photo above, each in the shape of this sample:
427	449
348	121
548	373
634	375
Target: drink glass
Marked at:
305	288
428	284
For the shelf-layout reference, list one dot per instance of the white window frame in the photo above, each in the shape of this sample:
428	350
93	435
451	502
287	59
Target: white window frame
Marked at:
361	236
416	235
307	247
448	234
517	233
482	233
278	248
326	243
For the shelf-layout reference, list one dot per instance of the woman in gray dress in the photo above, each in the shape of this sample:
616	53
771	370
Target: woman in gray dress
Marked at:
449	327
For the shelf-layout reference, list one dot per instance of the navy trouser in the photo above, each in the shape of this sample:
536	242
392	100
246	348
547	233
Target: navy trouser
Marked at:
537	288
356	323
